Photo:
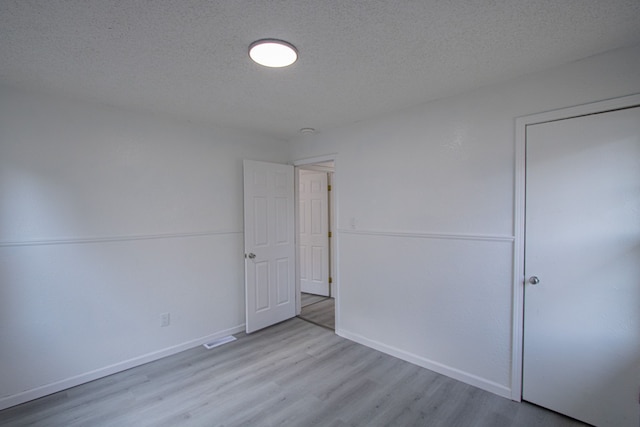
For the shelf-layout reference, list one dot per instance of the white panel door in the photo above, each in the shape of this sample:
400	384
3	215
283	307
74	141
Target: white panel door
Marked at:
581	354
313	197
269	244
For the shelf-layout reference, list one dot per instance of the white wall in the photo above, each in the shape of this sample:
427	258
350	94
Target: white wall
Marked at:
426	273
109	218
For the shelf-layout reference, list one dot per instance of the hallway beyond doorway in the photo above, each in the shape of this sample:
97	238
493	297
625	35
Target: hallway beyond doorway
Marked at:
318	310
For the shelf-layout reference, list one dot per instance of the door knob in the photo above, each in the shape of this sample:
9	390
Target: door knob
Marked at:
534	280
251	255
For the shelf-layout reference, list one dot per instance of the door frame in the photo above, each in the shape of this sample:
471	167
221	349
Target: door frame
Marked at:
333	242
519	217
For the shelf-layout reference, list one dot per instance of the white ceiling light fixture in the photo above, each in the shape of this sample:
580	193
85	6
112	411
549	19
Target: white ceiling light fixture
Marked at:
273	53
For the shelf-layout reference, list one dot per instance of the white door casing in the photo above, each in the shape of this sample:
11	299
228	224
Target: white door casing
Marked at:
581	352
269	242
333	272
313	232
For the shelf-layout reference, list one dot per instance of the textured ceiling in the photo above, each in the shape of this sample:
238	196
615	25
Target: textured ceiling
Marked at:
358	58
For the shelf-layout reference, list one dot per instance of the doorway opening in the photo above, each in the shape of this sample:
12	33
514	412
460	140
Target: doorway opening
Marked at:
315	242
318	310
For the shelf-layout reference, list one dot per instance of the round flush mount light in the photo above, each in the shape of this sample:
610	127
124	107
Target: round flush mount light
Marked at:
307	131
273	53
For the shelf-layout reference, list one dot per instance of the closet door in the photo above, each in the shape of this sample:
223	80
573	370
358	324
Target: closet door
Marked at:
581	351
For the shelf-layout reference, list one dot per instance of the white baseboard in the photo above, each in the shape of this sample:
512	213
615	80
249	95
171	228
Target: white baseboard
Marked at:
454	373
25	396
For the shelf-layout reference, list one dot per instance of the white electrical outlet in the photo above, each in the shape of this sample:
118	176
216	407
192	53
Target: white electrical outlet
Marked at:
165	319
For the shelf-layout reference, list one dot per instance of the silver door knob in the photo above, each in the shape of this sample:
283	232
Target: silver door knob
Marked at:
534	280
251	255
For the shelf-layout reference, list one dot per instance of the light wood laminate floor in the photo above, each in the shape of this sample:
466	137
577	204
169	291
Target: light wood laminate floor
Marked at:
291	374
321	312
308	299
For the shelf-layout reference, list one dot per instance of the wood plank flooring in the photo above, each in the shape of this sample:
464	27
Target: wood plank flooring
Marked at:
308	299
291	374
321	312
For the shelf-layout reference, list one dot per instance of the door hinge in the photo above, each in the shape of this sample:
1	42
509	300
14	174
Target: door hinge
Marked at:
330	235
330	280
329	187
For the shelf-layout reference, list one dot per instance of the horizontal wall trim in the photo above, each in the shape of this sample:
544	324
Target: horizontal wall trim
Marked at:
440	368
36	393
445	236
126	238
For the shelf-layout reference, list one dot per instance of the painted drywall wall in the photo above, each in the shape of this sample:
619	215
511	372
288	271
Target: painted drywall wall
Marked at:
108	219
426	217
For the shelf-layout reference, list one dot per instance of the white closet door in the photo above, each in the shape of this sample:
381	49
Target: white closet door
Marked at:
581	354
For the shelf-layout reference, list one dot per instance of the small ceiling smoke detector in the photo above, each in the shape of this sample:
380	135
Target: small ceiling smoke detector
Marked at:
273	53
307	131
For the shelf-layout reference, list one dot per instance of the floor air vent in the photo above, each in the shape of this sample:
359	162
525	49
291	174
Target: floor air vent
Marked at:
219	342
